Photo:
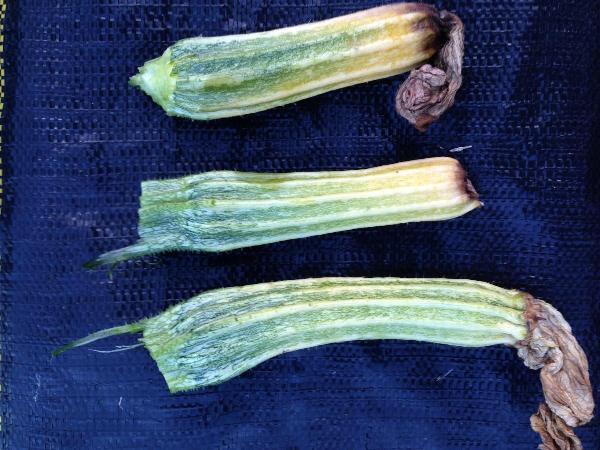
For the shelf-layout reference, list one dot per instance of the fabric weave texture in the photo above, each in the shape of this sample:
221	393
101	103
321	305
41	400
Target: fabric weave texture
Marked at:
78	140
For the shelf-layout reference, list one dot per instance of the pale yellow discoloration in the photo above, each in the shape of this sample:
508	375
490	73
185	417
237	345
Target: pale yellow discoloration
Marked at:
216	77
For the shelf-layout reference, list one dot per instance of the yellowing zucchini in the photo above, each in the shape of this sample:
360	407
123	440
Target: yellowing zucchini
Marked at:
224	210
214	77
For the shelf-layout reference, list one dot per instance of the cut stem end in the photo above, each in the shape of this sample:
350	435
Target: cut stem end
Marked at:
154	78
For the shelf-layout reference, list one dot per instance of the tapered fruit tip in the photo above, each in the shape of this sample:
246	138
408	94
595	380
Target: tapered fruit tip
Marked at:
59	350
154	78
135	80
92	263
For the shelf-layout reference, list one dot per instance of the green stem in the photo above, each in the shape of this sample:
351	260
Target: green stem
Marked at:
136	327
139	249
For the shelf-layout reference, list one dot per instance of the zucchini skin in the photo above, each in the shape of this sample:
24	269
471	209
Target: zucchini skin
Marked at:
219	334
222	333
214	77
225	210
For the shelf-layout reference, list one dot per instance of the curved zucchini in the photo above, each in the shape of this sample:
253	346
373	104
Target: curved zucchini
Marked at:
222	333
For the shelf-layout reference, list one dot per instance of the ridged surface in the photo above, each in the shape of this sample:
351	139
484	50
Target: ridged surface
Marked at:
208	78
217	211
77	142
222	333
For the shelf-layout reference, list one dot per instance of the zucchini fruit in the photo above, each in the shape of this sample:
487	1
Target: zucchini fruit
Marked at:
221	333
224	210
214	77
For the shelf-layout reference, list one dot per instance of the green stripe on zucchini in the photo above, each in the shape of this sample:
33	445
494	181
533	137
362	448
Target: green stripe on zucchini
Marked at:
225	210
222	333
213	77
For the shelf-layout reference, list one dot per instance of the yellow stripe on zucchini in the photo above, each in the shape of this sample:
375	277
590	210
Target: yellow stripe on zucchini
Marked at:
225	210
213	77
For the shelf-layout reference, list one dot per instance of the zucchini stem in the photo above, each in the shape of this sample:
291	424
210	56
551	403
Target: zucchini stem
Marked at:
108	332
140	248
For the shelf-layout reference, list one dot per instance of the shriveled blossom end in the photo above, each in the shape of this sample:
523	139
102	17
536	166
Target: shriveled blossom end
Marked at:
551	347
555	433
430	90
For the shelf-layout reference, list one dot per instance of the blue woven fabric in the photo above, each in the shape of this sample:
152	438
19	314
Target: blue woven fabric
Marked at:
77	142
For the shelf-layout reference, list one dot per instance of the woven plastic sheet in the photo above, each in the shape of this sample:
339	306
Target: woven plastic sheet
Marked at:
77	142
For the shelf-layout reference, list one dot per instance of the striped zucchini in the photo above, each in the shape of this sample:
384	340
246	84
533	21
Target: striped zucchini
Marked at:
213	77
224	210
222	333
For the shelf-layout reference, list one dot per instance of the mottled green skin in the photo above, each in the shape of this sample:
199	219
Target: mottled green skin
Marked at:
218	211
222	333
214	77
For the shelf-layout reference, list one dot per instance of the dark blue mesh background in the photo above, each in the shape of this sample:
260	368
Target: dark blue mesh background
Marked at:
78	141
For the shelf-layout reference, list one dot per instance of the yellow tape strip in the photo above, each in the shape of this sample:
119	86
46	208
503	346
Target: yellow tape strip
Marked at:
2	15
